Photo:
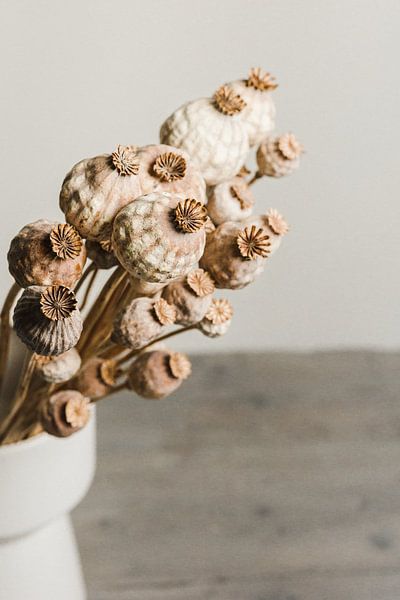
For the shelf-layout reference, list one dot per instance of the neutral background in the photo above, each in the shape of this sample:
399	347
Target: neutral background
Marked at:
82	76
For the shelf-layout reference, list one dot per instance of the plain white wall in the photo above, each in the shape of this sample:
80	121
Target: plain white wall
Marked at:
79	77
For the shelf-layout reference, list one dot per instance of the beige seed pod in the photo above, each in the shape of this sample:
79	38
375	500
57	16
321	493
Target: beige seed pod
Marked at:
65	413
167	169
101	254
217	320
211	131
46	253
226	264
190	296
97	378
279	156
259	113
47	320
60	368
97	188
160	236
151	375
274	226
137	324
230	200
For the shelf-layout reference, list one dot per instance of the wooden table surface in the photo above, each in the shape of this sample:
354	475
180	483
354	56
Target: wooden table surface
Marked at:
267	477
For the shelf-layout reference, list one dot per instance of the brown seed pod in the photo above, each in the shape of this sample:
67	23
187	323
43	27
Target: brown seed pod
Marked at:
45	253
151	377
149	245
65	413
167	169
218	318
279	156
97	188
189	304
60	368
231	200
224	262
137	324
101	254
97	378
47	320
253	242
190	215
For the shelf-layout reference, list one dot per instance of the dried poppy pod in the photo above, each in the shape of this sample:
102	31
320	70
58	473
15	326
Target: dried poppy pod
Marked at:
279	156
160	236
141	321
226	259
97	188
259	113
57	369
274	225
157	374
167	169
96	378
101	254
47	319
231	200
217	320
191	296
211	131
65	413
139	287
46	253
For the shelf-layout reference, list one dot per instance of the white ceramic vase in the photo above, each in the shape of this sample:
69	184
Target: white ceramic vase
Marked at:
41	480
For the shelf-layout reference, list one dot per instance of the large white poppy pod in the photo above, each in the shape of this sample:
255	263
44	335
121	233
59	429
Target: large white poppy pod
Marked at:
211	131
259	113
160	236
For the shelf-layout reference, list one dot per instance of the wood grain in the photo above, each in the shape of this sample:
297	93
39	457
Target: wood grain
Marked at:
267	477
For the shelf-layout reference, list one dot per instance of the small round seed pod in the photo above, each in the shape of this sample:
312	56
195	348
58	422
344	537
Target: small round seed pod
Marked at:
160	236
191	296
211	131
231	200
157	374
97	188
217	320
45	253
141	322
47	319
101	254
274	225
259	113
167	169
97	378
235	254
60	368
65	413
279	156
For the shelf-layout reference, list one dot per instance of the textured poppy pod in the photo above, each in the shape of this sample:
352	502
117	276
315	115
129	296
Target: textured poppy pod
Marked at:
160	236
47	320
279	156
97	188
211	131
274	225
140	322
101	254
231	261
157	374
217	320
97	378
46	253
65	413
167	169
231	200
191	296
57	369
259	113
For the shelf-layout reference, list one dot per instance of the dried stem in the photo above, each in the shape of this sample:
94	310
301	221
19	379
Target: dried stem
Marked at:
89	286
257	175
23	388
5	329
89	269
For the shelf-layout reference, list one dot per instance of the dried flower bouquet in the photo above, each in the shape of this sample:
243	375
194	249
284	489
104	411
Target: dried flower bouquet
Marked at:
173	222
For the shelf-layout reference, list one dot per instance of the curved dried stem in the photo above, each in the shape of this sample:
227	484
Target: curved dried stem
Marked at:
5	329
89	287
89	269
257	175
